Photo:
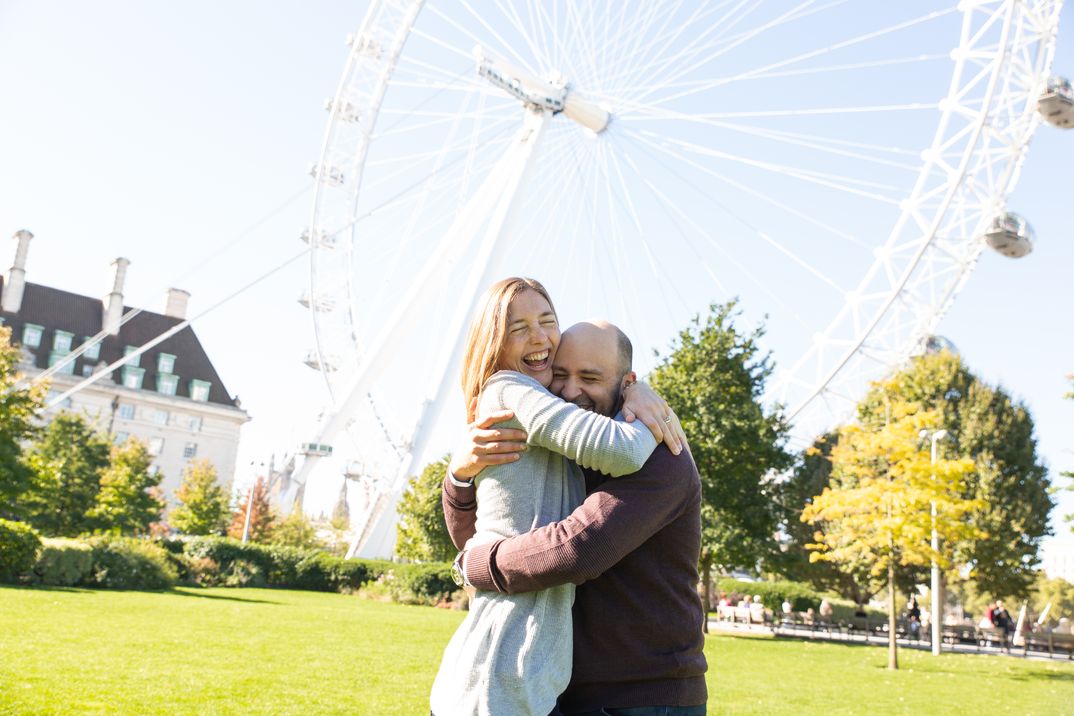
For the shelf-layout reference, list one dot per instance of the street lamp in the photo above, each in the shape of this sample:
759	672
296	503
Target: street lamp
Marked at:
937	603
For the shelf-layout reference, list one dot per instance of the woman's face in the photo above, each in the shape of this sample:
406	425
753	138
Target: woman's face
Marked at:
532	337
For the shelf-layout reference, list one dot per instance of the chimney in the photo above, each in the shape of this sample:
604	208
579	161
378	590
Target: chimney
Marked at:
175	301
15	281
112	308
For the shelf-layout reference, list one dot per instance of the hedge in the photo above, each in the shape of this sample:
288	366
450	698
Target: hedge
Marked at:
801	596
19	544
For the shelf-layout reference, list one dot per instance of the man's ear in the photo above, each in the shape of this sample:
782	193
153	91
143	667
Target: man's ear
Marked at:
629	379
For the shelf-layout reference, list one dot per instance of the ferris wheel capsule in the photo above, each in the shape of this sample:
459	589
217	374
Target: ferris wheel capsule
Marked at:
1056	105
937	344
1010	235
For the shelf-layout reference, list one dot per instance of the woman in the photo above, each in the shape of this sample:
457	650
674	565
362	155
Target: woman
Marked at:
512	654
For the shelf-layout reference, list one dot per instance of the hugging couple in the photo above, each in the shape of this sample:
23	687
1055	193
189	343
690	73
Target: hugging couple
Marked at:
579	531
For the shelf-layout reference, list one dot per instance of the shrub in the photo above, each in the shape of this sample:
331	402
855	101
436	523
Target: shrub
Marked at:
801	596
243	573
19	544
425	584
63	562
226	551
128	563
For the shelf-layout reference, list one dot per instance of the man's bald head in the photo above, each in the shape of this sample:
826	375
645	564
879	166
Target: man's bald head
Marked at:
593	365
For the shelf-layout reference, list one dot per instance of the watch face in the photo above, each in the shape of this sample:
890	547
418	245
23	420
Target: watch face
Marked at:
456	572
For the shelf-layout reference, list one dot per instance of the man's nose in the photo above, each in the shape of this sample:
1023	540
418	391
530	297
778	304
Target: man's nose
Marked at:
570	390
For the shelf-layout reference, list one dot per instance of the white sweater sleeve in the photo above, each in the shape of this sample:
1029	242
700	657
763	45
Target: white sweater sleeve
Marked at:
590	439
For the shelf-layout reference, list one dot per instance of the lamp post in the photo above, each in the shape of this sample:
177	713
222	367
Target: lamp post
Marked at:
936	620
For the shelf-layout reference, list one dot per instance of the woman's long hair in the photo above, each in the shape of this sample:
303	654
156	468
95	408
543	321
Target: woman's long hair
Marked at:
488	330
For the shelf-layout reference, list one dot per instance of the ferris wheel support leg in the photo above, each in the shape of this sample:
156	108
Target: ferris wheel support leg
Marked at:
499	187
378	532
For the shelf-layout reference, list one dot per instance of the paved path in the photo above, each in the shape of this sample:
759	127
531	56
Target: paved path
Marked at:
836	635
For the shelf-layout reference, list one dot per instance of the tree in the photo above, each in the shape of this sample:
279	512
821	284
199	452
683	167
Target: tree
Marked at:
296	531
1058	593
130	496
19	405
812	473
262	517
67	462
422	534
877	510
714	379
1009	480
202	503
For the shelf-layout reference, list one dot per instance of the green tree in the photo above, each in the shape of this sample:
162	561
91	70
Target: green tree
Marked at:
812	473
263	517
67	462
714	379
877	510
202	503
296	531
130	497
1009	480
1058	593
421	534
19	405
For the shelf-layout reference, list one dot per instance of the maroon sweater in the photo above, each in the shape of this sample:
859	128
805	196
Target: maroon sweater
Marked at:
632	547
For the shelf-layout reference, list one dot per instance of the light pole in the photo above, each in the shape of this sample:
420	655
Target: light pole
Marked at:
936	619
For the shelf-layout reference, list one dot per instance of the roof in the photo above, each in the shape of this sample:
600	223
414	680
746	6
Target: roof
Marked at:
57	310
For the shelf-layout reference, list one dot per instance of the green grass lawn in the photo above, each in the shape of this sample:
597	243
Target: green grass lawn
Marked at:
272	651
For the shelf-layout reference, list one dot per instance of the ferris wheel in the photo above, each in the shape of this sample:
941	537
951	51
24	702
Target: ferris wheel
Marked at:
836	166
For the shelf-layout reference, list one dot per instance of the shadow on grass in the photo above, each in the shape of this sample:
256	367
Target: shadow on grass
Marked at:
192	593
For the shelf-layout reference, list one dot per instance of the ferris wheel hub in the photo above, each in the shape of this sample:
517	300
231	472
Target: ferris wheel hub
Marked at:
555	96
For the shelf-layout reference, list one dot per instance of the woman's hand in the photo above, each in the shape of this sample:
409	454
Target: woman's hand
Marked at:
487	445
642	403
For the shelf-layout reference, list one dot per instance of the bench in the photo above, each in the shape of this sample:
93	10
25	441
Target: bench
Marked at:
1049	642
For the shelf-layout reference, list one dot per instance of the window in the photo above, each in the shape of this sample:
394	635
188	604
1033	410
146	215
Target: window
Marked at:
167	383
132	377
165	363
87	369
127	350
190	450
199	390
160	417
31	335
156	445
194	423
61	342
94	351
126	411
121	437
55	357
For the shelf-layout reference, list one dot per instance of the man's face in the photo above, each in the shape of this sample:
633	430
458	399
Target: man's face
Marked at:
586	369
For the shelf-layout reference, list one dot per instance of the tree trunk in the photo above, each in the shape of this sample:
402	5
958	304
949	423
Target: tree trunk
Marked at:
706	576
893	654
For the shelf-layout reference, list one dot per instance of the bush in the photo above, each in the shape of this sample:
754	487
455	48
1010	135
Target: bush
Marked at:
226	551
63	562
128	563
425	584
19	544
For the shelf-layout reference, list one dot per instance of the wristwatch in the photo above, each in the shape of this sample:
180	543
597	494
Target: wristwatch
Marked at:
457	574
460	483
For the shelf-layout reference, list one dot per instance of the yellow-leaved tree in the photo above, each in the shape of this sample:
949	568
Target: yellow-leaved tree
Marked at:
877	510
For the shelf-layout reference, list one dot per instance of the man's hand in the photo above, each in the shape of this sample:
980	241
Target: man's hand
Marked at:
487	445
642	403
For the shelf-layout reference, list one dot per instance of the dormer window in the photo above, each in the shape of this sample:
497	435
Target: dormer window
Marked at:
127	350
61	342
167	383
166	364
31	335
94	351
132	377
199	390
55	357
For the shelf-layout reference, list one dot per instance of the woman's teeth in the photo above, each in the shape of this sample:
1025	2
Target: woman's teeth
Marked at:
536	360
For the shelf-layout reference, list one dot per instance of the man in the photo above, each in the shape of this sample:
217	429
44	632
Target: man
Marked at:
632	547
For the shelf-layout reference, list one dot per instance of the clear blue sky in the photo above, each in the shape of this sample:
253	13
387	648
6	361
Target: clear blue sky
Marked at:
162	131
